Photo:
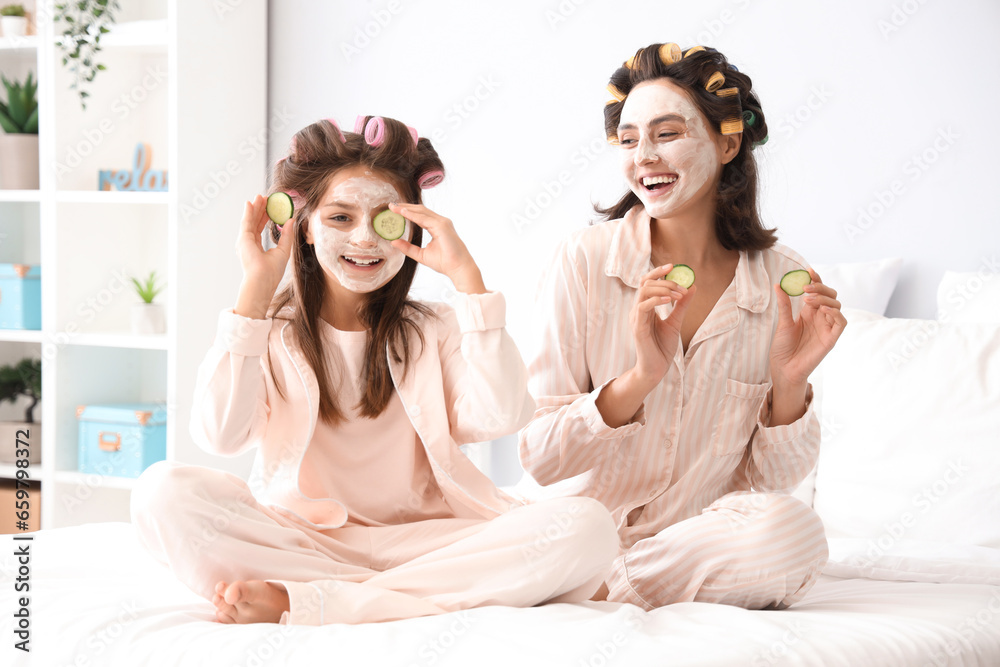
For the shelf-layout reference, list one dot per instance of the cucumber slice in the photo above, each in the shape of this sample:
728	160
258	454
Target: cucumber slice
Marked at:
682	274
389	225
793	282
280	208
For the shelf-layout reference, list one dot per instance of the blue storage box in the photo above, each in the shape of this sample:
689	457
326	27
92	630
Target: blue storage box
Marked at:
121	439
20	296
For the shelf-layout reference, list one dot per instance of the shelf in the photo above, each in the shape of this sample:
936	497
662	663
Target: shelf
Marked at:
20	195
120	339
19	44
111	197
9	471
150	35
20	336
78	478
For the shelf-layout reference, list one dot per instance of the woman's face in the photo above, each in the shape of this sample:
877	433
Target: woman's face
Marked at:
340	228
669	157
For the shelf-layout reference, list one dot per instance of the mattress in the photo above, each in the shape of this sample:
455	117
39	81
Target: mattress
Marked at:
97	598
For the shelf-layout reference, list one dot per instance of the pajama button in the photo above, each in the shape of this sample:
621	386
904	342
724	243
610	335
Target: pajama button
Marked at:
414	410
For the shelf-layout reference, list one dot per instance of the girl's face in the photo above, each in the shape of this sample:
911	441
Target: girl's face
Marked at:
669	157
346	244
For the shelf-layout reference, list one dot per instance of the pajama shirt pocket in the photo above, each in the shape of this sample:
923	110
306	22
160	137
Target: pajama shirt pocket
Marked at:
737	417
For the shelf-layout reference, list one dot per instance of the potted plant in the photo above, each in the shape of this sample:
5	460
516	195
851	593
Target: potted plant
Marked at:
19	141
13	22
24	379
148	317
84	23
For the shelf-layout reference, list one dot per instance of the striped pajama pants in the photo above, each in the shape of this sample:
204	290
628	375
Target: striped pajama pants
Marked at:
747	549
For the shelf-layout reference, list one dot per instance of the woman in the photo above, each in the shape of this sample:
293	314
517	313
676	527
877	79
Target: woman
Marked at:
691	428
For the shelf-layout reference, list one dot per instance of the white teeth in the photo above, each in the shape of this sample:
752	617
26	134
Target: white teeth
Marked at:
658	179
362	262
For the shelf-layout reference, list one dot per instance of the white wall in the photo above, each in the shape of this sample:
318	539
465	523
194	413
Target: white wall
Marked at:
855	93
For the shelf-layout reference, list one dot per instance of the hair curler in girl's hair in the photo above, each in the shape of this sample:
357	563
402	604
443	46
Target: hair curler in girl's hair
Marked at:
430	179
333	122
375	131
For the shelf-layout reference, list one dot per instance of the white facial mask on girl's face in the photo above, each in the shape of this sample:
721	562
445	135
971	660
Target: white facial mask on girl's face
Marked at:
358	242
690	155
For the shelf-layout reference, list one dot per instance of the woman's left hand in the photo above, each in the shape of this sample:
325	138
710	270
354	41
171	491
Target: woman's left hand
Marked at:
446	253
800	344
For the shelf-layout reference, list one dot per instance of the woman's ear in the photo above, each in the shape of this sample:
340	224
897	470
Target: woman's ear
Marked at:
729	146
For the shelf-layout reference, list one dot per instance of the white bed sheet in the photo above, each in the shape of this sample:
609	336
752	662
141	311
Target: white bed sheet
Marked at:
98	599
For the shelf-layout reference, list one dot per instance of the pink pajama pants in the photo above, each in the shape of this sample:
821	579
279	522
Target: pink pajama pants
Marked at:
751	550
207	527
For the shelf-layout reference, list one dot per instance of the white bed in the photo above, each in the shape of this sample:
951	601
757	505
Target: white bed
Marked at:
906	486
112	604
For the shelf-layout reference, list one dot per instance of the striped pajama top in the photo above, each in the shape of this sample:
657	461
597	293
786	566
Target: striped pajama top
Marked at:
701	433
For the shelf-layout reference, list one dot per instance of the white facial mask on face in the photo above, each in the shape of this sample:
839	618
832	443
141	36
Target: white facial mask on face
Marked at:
690	156
359	242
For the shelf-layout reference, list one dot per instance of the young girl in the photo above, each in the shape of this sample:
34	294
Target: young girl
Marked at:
692	428
361	506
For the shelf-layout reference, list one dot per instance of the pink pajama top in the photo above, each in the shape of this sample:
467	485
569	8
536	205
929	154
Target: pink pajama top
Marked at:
347	460
701	433
468	384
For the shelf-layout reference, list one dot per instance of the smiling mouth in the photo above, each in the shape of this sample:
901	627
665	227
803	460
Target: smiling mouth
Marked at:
654	183
362	262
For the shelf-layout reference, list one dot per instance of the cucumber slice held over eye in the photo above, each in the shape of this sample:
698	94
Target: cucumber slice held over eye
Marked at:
793	282
682	274
280	208
389	225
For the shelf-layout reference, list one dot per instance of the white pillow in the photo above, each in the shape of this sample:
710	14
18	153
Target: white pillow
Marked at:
864	285
969	297
914	455
807	486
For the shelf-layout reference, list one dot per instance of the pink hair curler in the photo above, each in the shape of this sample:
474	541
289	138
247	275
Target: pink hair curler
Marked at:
298	201
359	125
375	131
331	121
430	179
413	133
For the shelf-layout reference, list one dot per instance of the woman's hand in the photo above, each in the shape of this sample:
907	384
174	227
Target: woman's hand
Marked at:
656	340
262	271
800	344
446	253
656	343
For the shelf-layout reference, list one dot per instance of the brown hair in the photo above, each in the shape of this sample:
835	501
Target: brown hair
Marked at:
737	222
318	152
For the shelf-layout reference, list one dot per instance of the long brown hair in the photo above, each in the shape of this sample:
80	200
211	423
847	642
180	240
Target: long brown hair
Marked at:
318	152
737	221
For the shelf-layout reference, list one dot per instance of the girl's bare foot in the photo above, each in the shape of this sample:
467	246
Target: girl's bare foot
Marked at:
249	602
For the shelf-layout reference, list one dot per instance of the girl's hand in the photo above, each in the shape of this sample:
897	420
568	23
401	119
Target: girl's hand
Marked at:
446	253
799	345
262	271
656	340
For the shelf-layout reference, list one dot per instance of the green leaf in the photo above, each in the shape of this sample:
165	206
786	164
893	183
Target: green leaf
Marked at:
31	127
7	124
16	105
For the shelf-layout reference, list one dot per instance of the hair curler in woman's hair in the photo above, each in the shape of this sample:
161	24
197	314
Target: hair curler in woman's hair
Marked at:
413	133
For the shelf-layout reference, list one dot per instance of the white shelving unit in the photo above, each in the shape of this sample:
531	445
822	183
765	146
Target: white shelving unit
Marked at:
191	85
